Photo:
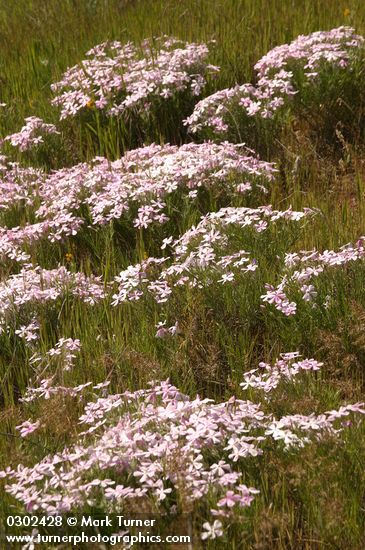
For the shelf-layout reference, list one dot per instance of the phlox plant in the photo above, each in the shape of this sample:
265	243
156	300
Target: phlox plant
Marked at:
232	250
319	293
211	276
30	134
302	269
315	82
327	74
158	449
240	114
146	87
138	190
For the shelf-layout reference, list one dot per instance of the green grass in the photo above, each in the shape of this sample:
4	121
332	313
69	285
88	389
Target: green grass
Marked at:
312	499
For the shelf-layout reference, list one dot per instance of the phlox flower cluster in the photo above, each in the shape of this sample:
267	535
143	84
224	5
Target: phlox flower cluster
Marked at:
65	350
119	78
13	240
280	74
18	185
56	361
160	448
31	134
154	440
144	177
136	185
201	251
311	264
267	378
218	111
29	332
22	294
46	390
335	47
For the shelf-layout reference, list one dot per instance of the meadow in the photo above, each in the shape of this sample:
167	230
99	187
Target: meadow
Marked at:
182	305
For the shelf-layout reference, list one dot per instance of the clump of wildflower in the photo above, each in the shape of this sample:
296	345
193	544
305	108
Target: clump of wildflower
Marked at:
200	251
138	184
121	78
65	350
267	377
31	133
18	185
47	389
31	288
302	268
281	74
156	445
